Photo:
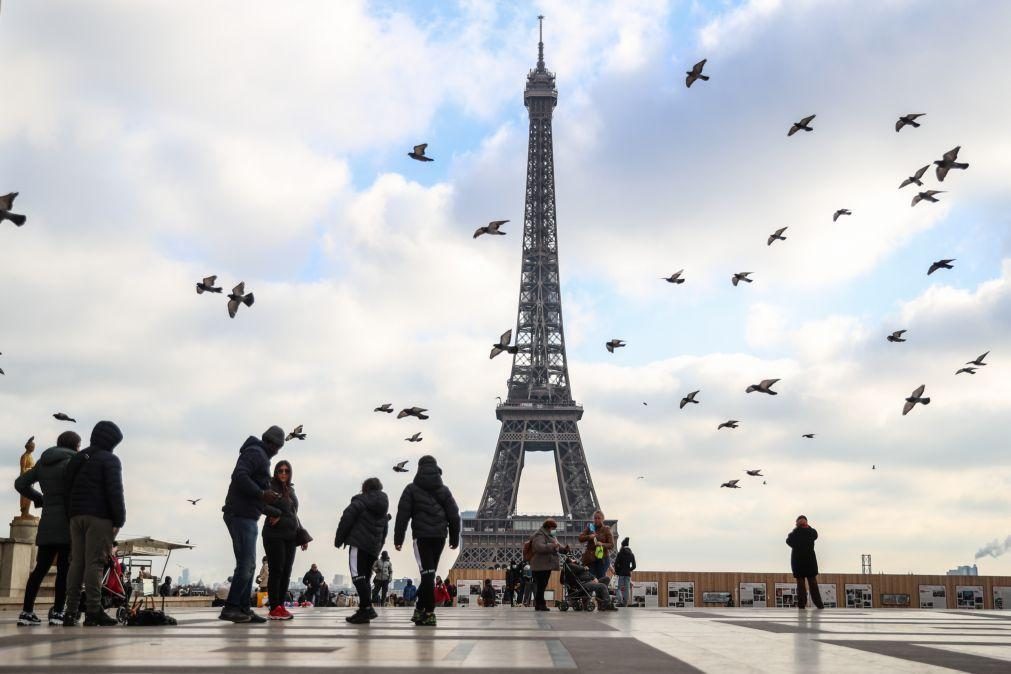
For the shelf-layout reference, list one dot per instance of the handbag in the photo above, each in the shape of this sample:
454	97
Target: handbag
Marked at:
302	537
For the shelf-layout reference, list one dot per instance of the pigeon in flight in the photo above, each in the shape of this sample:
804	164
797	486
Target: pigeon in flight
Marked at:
696	74
777	235
741	276
491	228
970	370
732	484
193	501
413	412
809	436
1	369
690	398
614	344
841	211
909	120
6	204
207	285
979	361
503	344
60	416
755	473
927	195
874	467
418	153
674	278
896	336
641	477
915	397
238	296
802	125
940	264
385	407
400	467
732	423
415	438
947	162
765	386
295	434
915	178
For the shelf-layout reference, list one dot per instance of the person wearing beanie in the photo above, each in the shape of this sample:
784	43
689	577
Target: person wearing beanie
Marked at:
248	493
431	509
624	565
53	538
363	527
383	570
93	485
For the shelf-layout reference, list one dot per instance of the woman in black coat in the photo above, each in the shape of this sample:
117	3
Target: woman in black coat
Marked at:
279	533
804	562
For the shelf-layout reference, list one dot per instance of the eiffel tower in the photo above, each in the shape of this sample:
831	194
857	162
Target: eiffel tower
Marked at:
539	414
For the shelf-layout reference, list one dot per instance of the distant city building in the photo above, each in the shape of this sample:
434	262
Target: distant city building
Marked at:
340	580
964	571
184	577
399	584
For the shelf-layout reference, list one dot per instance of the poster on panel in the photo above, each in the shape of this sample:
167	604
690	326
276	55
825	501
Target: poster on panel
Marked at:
645	593
969	597
829	596
933	596
753	595
467	592
786	595
499	586
859	595
1002	597
681	594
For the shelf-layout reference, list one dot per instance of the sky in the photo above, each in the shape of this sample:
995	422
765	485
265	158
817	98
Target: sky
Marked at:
156	143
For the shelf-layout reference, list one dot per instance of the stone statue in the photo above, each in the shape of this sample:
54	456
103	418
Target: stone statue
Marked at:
27	463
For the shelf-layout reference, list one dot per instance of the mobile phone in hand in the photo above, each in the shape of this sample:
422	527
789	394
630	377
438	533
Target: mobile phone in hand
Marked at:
593	527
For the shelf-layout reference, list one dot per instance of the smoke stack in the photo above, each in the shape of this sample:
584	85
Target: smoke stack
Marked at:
994	548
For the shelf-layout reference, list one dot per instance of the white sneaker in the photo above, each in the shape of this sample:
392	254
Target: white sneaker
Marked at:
56	617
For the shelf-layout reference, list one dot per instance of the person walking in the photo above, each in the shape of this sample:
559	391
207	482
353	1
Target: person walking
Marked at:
248	492
363	527
599	544
93	485
312	580
804	562
279	534
544	548
53	537
624	565
383	571
430	507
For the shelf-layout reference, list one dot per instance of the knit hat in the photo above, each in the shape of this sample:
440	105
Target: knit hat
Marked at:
106	435
273	436
68	440
624	542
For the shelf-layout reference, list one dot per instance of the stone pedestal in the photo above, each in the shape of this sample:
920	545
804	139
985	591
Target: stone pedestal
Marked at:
17	556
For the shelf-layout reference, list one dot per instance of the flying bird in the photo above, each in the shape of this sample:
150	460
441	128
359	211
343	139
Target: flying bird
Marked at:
399	468
418	153
970	370
979	361
674	278
732	484
764	386
6	204
696	74
503	344
413	412
940	264
732	423
947	162
385	407
690	398
874	467
207	285
295	434
927	195
755	473
194	501
777	236
896	336
809	436
802	125
915	178
415	438
641	477
60	416
238	296
614	344
491	228
741	276
909	120
915	397
841	211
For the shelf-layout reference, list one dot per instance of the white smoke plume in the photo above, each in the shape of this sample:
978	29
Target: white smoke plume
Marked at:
994	548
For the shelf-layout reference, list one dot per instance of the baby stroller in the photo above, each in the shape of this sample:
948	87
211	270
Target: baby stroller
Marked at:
575	594
116	590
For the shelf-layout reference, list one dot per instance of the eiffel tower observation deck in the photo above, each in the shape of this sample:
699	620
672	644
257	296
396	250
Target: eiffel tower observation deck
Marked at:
539	414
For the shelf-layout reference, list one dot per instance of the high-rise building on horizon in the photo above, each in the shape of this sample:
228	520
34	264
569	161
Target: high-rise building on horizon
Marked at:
964	570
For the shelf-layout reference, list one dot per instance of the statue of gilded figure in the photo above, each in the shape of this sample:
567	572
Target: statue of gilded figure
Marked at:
27	462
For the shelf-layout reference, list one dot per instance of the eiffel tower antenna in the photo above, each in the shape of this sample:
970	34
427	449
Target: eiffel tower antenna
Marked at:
540	43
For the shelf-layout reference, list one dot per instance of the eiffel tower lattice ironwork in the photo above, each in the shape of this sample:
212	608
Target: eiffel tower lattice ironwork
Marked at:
539	414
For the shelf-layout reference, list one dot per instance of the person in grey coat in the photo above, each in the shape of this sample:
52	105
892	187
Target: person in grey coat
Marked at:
53	538
545	548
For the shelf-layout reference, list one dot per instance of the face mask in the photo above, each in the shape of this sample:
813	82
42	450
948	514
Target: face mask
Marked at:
551	533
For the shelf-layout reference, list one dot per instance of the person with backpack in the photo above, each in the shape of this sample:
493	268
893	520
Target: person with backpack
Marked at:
363	528
624	565
542	552
383	570
433	513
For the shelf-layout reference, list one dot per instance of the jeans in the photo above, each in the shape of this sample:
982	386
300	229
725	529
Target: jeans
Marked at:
43	562
599	589
280	559
91	542
541	580
624	590
599	567
243	531
427	552
361	561
802	592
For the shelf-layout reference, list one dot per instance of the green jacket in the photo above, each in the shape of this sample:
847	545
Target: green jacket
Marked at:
54	529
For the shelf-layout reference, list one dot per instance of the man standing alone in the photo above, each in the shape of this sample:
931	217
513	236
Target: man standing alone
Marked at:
804	562
624	565
312	580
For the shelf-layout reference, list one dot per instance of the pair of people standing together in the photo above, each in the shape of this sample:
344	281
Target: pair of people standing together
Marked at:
544	549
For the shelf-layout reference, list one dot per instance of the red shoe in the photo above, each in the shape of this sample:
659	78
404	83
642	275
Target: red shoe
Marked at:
279	613
287	613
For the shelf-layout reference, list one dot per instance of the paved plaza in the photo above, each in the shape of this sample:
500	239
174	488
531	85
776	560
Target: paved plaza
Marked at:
503	639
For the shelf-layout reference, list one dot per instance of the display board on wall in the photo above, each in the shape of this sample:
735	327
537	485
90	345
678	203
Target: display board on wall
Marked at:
680	594
645	593
829	596
859	595
753	595
1002	597
969	597
499	586
933	596
895	600
786	595
719	598
467	592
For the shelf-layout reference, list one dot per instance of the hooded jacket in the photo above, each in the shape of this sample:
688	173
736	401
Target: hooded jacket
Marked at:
803	561
93	480
49	473
429	505
383	569
250	478
365	522
285	508
624	563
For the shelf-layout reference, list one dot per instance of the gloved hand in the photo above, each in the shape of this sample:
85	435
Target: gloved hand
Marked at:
269	496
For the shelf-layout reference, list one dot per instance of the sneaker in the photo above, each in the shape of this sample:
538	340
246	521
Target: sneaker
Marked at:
100	619
70	619
427	621
28	619
418	615
229	613
288	615
278	613
359	618
254	617
372	613
55	617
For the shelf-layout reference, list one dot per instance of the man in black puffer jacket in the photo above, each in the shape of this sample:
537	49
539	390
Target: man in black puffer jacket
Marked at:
363	528
93	488
432	511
